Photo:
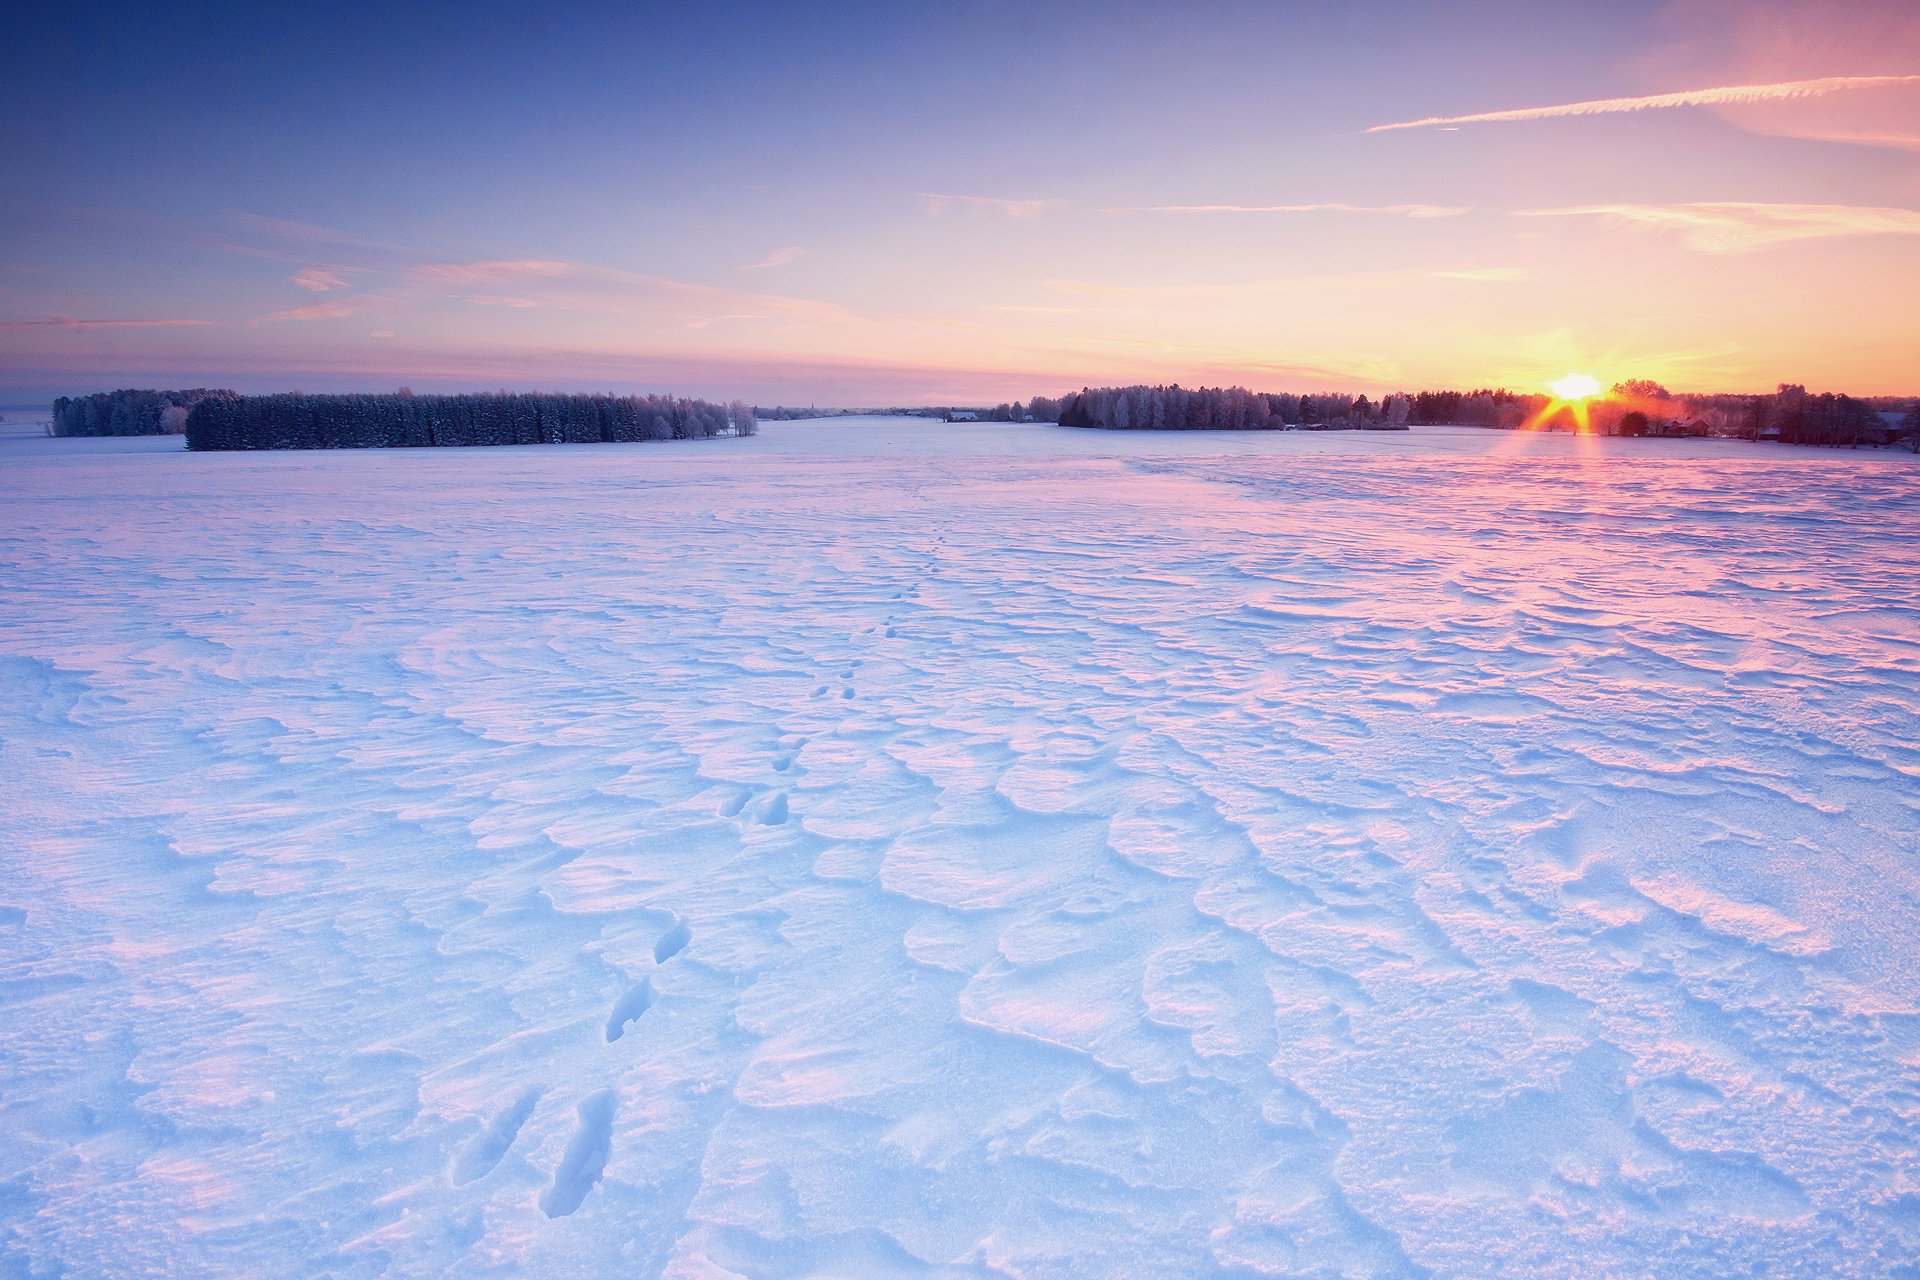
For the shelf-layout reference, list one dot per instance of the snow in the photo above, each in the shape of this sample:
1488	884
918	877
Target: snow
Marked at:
889	848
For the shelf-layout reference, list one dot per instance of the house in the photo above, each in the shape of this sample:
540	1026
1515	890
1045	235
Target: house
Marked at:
963	415
1668	428
1883	428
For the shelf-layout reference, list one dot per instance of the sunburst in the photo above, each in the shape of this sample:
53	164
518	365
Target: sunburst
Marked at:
1572	393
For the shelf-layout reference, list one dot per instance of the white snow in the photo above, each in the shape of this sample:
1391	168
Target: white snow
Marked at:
888	848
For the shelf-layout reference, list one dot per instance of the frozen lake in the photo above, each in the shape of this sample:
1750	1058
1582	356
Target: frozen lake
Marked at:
885	848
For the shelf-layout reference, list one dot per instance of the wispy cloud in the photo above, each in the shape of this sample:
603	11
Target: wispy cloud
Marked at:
707	322
279	239
1736	227
559	285
1397	210
493	272
68	322
1732	95
778	258
321	279
1341	279
329	310
1486	275
935	203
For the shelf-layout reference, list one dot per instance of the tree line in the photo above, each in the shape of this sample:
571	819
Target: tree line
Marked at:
404	420
789	413
1177	408
130	412
1791	414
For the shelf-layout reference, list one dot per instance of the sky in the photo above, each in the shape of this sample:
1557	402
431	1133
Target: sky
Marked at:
889	204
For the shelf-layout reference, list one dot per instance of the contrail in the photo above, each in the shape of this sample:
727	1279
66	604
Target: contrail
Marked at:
1732	94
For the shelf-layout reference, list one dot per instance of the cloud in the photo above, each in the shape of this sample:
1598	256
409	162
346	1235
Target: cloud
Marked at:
1736	227
778	258
1733	95
1398	210
1486	275
278	239
559	286
935	203
321	279
67	322
298	232
490	272
1339	279
708	322
329	310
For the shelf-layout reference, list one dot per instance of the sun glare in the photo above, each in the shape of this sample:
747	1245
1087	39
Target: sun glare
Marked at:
1575	386
1571	395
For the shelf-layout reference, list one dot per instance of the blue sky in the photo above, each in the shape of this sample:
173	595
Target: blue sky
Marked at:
866	203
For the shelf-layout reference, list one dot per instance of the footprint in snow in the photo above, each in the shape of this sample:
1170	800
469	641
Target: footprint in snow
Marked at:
672	942
585	1158
628	1008
477	1159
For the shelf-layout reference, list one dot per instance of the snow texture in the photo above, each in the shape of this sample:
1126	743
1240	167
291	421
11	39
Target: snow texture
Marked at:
883	848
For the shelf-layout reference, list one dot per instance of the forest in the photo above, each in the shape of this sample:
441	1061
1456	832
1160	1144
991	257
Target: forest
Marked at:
130	412
1176	408
1791	415
404	420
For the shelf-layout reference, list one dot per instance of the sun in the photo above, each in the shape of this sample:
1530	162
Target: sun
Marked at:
1575	387
1570	396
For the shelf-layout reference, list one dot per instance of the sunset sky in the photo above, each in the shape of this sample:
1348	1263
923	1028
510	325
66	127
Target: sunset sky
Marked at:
884	204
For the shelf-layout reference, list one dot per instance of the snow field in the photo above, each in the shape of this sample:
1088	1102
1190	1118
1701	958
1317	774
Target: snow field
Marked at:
879	848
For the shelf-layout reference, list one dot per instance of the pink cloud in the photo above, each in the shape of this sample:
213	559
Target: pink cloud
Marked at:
778	258
1398	210
281	240
935	203
67	322
324	310
493	272
1741	227
320	279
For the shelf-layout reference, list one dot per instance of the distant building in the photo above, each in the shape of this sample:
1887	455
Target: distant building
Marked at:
963	415
1672	428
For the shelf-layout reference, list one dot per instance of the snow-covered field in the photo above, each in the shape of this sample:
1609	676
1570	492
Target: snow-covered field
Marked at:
880	848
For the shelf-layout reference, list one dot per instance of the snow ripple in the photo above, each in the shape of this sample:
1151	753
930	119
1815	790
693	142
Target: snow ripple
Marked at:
961	859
